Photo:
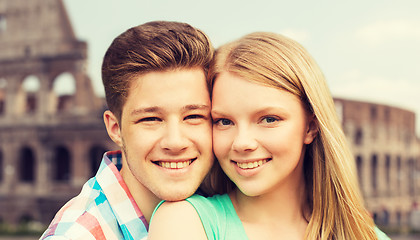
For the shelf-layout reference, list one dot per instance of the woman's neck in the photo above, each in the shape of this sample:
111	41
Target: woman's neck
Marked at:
280	213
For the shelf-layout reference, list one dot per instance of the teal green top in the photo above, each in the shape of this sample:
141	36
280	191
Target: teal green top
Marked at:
220	220
218	216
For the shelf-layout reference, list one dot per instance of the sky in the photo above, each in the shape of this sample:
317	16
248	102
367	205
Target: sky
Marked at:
367	50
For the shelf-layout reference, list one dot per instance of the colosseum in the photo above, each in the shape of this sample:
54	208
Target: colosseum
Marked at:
51	142
387	154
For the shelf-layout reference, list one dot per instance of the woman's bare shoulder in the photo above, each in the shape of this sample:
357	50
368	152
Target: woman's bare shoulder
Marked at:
176	220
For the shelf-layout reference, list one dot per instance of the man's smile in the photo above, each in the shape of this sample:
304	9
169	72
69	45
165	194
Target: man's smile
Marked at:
174	164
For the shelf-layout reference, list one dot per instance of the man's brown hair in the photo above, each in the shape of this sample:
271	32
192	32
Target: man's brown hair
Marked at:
153	46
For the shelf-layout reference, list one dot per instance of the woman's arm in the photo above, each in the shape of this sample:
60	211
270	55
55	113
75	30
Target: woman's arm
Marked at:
176	220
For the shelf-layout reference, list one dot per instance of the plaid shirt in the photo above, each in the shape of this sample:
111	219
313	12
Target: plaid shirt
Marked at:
104	209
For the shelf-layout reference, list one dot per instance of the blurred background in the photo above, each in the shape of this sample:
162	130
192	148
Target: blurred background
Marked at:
52	135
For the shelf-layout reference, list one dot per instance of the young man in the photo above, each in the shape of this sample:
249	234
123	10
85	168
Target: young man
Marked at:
159	114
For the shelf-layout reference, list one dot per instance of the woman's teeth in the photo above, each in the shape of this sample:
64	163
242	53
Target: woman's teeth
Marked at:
250	165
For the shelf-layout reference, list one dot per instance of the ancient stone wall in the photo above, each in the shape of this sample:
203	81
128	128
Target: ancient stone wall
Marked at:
387	153
51	141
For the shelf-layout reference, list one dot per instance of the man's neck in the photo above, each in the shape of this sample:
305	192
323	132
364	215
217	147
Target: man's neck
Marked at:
145	199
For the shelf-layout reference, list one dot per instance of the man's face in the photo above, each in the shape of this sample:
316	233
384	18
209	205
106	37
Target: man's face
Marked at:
166	132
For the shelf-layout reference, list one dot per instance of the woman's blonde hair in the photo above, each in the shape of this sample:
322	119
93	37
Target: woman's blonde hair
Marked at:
334	198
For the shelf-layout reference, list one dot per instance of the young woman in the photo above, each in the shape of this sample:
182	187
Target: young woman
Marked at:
278	140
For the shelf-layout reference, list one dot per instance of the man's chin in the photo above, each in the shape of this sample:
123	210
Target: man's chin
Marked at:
174	196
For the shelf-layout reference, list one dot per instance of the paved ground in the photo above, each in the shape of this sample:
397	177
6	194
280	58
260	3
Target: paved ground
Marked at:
417	237
18	238
36	238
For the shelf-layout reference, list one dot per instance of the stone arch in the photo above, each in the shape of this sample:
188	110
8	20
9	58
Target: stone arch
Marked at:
61	164
27	165
2	224
388	172
63	92
399	217
95	157
411	176
385	217
374	175
375	216
359	165
1	166
399	174
358	137
3	23
3	90
27	101
25	220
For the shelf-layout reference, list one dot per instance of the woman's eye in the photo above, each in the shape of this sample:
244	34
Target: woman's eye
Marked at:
223	122
268	120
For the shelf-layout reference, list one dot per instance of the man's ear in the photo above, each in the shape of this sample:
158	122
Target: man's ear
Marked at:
113	127
312	129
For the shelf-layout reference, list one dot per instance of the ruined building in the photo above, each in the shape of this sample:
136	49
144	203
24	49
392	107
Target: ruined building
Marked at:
51	141
387	154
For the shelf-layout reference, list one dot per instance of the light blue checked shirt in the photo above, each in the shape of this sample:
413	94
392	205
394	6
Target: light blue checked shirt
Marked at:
104	209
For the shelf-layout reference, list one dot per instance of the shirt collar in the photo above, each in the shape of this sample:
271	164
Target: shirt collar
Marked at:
122	202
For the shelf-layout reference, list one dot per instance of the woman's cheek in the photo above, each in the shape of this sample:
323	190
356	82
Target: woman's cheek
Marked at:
221	144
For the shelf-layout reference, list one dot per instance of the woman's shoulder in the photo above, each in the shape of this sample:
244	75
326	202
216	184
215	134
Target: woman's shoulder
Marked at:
179	219
215	199
173	210
216	204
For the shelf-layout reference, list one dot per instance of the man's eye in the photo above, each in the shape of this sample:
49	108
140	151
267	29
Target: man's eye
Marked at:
150	119
222	122
196	119
194	116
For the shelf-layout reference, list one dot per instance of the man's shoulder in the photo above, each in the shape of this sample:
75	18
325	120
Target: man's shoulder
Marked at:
104	207
85	216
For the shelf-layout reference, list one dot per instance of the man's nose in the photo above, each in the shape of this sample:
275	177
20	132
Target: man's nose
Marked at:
174	139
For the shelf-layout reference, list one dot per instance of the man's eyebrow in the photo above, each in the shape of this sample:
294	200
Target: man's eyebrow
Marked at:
145	110
156	109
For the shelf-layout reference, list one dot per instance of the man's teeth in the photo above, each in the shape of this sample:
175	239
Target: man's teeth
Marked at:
250	165
175	165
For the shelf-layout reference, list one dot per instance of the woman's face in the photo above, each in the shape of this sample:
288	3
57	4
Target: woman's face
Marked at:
259	134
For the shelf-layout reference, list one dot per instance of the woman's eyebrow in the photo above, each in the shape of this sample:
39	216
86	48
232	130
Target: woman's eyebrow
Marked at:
196	106
219	113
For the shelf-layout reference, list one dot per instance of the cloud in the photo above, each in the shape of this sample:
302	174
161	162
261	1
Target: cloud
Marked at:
396	92
400	93
389	30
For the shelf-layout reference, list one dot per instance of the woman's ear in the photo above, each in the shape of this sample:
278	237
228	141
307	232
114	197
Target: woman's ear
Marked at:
312	129
113	127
